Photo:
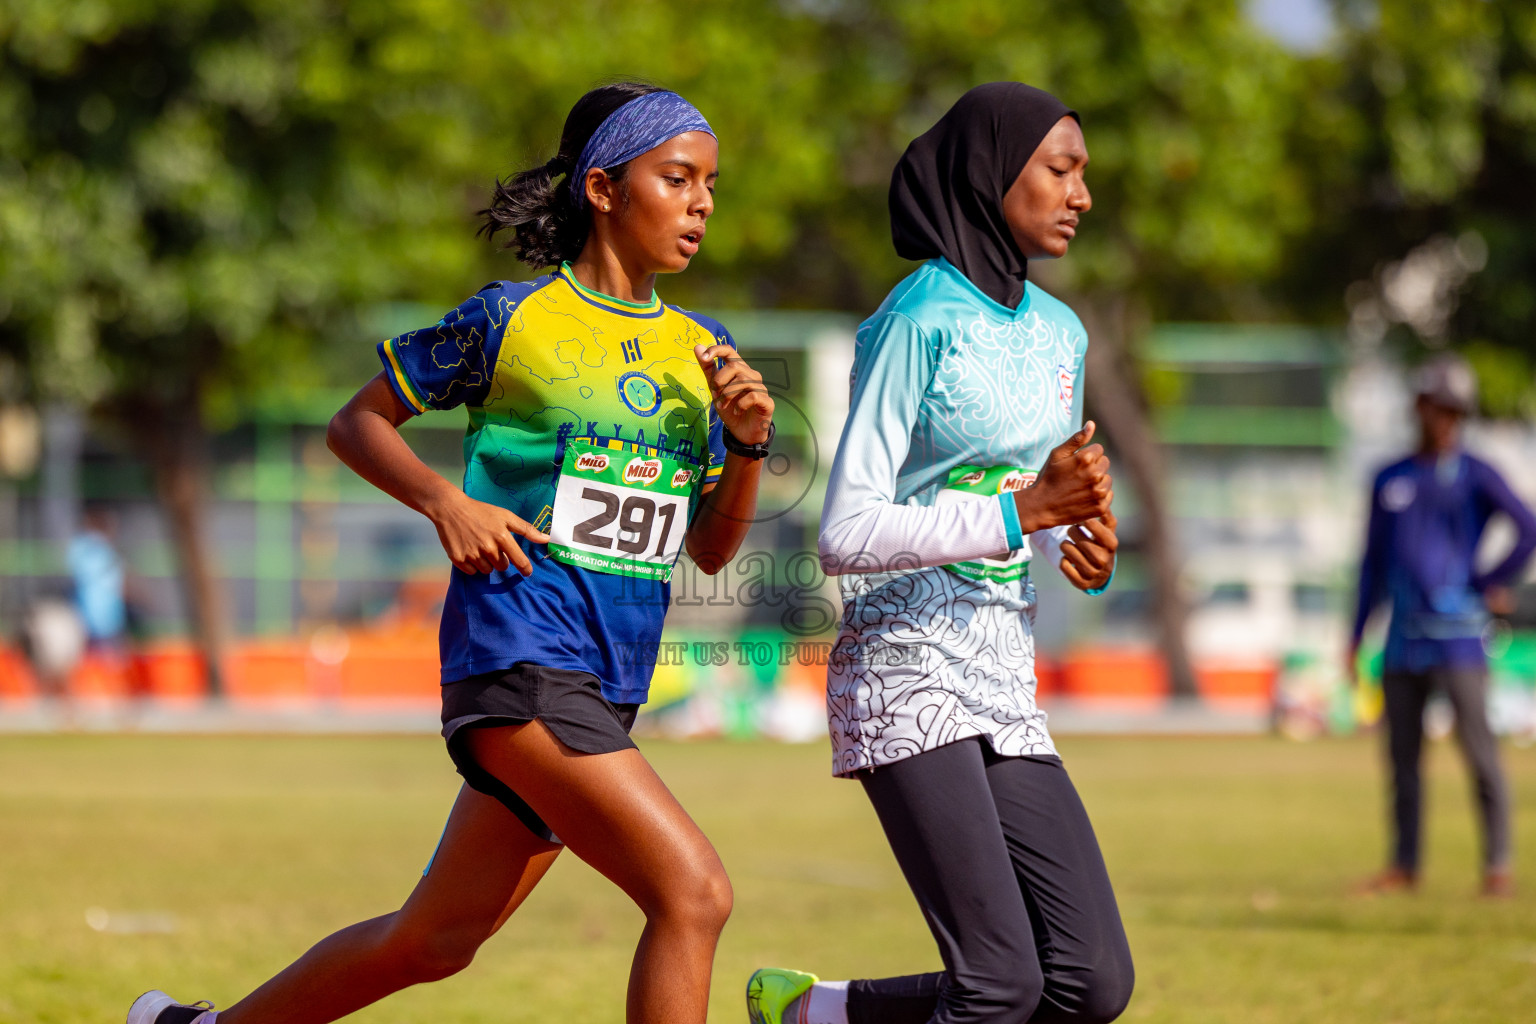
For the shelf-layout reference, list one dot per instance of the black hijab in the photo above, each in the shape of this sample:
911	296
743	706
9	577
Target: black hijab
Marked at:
947	190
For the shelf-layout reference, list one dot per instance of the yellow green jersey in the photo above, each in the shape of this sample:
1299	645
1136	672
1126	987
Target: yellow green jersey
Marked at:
590	418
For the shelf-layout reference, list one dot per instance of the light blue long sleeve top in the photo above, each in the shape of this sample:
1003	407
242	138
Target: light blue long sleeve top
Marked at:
943	376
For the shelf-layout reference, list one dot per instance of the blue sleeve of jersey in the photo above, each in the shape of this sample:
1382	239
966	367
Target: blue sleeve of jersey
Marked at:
716	450
1498	497
452	362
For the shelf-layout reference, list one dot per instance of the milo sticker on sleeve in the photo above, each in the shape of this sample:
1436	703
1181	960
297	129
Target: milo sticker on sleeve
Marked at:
977	483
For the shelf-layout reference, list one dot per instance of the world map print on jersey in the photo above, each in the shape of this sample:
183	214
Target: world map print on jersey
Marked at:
448	363
968	383
539	365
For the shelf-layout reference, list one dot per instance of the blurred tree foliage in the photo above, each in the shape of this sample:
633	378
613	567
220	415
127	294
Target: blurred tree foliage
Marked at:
197	197
1419	144
258	169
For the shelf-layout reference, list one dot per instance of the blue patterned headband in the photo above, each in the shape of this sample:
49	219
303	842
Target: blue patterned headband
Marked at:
637	127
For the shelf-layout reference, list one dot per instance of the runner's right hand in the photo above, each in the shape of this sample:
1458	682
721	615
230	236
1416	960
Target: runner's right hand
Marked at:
478	536
1073	487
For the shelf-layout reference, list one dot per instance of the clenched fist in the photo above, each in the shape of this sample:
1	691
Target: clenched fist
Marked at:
1088	553
1073	487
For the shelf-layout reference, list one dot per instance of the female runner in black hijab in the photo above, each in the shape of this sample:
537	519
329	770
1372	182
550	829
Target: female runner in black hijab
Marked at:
965	438
949	191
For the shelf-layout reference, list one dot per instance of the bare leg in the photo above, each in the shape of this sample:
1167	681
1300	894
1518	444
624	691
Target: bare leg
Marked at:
615	813
486	866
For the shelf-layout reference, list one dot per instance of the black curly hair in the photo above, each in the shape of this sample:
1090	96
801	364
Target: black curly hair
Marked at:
547	228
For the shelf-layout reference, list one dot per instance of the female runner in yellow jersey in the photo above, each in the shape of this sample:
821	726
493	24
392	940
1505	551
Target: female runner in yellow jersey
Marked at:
607	431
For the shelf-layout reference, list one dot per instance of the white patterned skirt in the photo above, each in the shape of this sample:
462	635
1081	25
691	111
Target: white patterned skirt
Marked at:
926	658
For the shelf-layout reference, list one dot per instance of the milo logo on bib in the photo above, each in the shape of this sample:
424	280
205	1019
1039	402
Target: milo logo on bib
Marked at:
620	512
642	471
973	483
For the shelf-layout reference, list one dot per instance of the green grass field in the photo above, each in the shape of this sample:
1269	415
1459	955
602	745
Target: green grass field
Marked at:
1231	858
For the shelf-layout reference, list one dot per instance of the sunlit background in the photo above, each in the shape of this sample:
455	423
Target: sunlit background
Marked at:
212	210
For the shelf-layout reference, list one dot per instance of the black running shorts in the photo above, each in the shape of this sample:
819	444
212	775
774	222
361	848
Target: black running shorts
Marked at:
569	703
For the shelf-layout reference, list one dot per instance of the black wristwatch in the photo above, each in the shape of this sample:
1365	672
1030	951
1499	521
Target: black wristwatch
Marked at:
747	451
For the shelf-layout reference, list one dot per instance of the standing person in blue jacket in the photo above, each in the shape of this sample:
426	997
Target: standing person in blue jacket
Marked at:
965	451
1428	512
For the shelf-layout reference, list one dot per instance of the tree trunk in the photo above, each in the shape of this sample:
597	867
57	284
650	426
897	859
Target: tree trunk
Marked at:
173	438
1120	407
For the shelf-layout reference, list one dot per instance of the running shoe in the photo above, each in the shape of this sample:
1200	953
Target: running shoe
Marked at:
155	1007
1498	883
771	990
1392	880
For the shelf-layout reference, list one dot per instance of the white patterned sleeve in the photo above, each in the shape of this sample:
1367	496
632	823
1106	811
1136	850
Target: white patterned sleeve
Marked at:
1046	544
863	528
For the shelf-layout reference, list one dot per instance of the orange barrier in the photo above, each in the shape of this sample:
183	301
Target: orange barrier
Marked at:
100	676
1114	673
361	665
811	679
1140	675
392	669
269	670
1047	677
401	664
15	676
170	670
1238	682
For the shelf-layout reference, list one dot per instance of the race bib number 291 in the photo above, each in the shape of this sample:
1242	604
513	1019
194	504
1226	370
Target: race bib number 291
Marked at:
620	512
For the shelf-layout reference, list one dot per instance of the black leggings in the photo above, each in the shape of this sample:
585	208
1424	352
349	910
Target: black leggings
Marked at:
1004	864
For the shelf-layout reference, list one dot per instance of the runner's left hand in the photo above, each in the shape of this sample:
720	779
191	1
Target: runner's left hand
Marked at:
1088	553
741	401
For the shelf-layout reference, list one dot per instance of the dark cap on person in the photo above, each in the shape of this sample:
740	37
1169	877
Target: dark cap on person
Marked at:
1447	381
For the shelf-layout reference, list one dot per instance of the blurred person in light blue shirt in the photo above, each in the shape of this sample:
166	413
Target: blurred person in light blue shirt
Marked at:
99	579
